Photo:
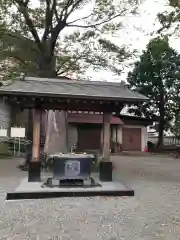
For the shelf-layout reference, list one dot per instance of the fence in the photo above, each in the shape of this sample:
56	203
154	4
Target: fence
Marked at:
168	140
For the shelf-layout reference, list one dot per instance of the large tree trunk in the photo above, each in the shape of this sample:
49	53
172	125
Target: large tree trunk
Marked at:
161	126
160	141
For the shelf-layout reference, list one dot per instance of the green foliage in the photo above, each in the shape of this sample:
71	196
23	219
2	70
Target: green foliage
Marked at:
7	146
176	126
32	34
170	19
157	76
4	150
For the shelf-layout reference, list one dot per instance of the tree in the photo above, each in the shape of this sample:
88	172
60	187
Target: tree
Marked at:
39	31
70	61
176	126
156	75
170	19
170	24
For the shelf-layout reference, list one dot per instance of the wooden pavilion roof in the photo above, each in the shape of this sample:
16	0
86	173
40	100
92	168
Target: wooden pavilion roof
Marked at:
70	88
49	93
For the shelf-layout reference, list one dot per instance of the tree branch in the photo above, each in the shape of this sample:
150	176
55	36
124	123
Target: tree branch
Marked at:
79	19
49	18
23	10
61	24
58	69
56	14
65	10
96	24
69	67
26	2
55	32
62	72
21	38
17	58
47	21
62	21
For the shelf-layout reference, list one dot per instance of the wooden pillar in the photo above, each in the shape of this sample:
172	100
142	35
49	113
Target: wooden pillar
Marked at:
29	135
106	136
36	135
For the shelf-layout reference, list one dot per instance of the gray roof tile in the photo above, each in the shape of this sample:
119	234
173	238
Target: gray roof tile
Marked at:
63	88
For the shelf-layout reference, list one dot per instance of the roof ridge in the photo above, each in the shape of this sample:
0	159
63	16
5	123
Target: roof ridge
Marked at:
66	88
86	82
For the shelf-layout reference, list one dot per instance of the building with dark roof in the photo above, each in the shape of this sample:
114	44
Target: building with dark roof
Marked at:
84	96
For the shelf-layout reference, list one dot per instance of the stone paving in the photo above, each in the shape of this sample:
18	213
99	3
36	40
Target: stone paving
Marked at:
154	212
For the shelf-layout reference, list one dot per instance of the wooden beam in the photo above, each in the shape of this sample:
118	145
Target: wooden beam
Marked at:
27	102
106	136
36	135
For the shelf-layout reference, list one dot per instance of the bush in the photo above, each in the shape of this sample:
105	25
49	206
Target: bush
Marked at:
95	166
7	146
22	147
14	144
151	146
4	150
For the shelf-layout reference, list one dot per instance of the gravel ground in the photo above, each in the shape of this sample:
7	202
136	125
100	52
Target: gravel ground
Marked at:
154	212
